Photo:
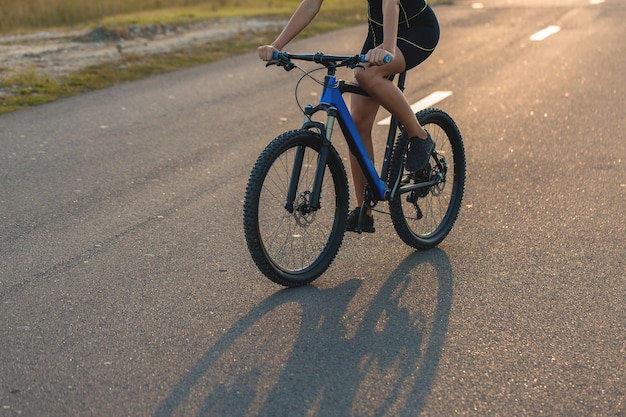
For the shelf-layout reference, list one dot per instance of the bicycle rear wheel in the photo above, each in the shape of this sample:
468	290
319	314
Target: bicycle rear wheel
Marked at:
423	217
291	243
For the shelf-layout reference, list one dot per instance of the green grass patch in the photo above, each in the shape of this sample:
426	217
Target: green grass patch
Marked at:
28	89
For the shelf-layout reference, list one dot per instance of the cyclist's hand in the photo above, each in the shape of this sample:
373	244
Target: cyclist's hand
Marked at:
266	51
378	55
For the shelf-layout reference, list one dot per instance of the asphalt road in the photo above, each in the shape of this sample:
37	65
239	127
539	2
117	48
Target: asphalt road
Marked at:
126	287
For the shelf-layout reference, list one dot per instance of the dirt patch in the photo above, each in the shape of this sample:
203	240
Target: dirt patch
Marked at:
126	33
61	53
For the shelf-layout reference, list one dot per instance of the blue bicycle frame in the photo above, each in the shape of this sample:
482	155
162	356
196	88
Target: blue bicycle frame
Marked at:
332	98
333	104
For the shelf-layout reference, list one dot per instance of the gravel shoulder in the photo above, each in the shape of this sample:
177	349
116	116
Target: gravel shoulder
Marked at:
59	53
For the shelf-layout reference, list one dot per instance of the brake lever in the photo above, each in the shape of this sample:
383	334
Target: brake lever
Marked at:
288	65
353	62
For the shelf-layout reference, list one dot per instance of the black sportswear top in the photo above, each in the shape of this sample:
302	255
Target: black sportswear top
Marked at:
409	10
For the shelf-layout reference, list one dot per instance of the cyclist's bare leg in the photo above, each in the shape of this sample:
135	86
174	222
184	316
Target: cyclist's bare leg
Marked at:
363	110
372	79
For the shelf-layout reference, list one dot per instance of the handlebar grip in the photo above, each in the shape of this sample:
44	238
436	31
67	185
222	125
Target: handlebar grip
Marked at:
386	59
275	55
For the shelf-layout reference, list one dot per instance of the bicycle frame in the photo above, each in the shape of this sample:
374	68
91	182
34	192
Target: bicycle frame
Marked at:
333	104
295	241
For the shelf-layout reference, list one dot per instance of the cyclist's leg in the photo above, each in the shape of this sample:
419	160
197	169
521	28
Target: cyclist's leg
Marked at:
374	80
363	110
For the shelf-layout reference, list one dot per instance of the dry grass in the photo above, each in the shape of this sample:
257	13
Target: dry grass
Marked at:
25	15
30	88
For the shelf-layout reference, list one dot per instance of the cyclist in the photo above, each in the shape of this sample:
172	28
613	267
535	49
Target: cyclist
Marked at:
405	30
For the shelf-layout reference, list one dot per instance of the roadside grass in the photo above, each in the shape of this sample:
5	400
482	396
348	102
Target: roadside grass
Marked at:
32	88
28	15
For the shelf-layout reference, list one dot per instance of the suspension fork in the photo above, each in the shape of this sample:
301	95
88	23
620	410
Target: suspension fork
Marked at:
326	133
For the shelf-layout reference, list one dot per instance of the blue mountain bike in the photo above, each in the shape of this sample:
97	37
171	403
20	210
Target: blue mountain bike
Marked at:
297	200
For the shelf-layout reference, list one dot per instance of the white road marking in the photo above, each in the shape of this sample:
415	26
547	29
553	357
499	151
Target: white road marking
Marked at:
424	103
477	5
544	33
596	1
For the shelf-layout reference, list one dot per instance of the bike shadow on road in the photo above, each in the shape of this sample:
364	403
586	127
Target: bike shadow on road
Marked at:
328	352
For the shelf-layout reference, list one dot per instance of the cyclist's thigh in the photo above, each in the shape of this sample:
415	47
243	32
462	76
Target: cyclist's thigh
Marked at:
363	110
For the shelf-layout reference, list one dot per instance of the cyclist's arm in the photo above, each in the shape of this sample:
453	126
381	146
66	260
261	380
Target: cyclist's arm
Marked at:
304	14
391	13
378	55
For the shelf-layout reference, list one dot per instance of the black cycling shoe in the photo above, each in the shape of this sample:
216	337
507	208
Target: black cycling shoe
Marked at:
419	153
353	222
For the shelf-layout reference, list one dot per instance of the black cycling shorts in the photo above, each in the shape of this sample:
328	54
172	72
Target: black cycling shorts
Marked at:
417	38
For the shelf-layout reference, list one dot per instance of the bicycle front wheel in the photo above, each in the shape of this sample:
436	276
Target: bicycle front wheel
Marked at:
291	241
423	217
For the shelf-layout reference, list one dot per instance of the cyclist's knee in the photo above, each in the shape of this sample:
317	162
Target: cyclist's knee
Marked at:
363	77
368	78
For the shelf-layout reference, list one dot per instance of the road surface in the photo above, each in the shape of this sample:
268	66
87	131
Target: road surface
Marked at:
126	287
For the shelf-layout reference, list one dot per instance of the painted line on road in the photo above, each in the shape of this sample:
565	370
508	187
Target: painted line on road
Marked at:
424	103
544	33
596	1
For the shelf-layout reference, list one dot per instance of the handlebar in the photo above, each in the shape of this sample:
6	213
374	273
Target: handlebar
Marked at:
284	59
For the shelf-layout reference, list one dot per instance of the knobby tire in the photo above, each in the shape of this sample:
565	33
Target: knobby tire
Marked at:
424	218
292	248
